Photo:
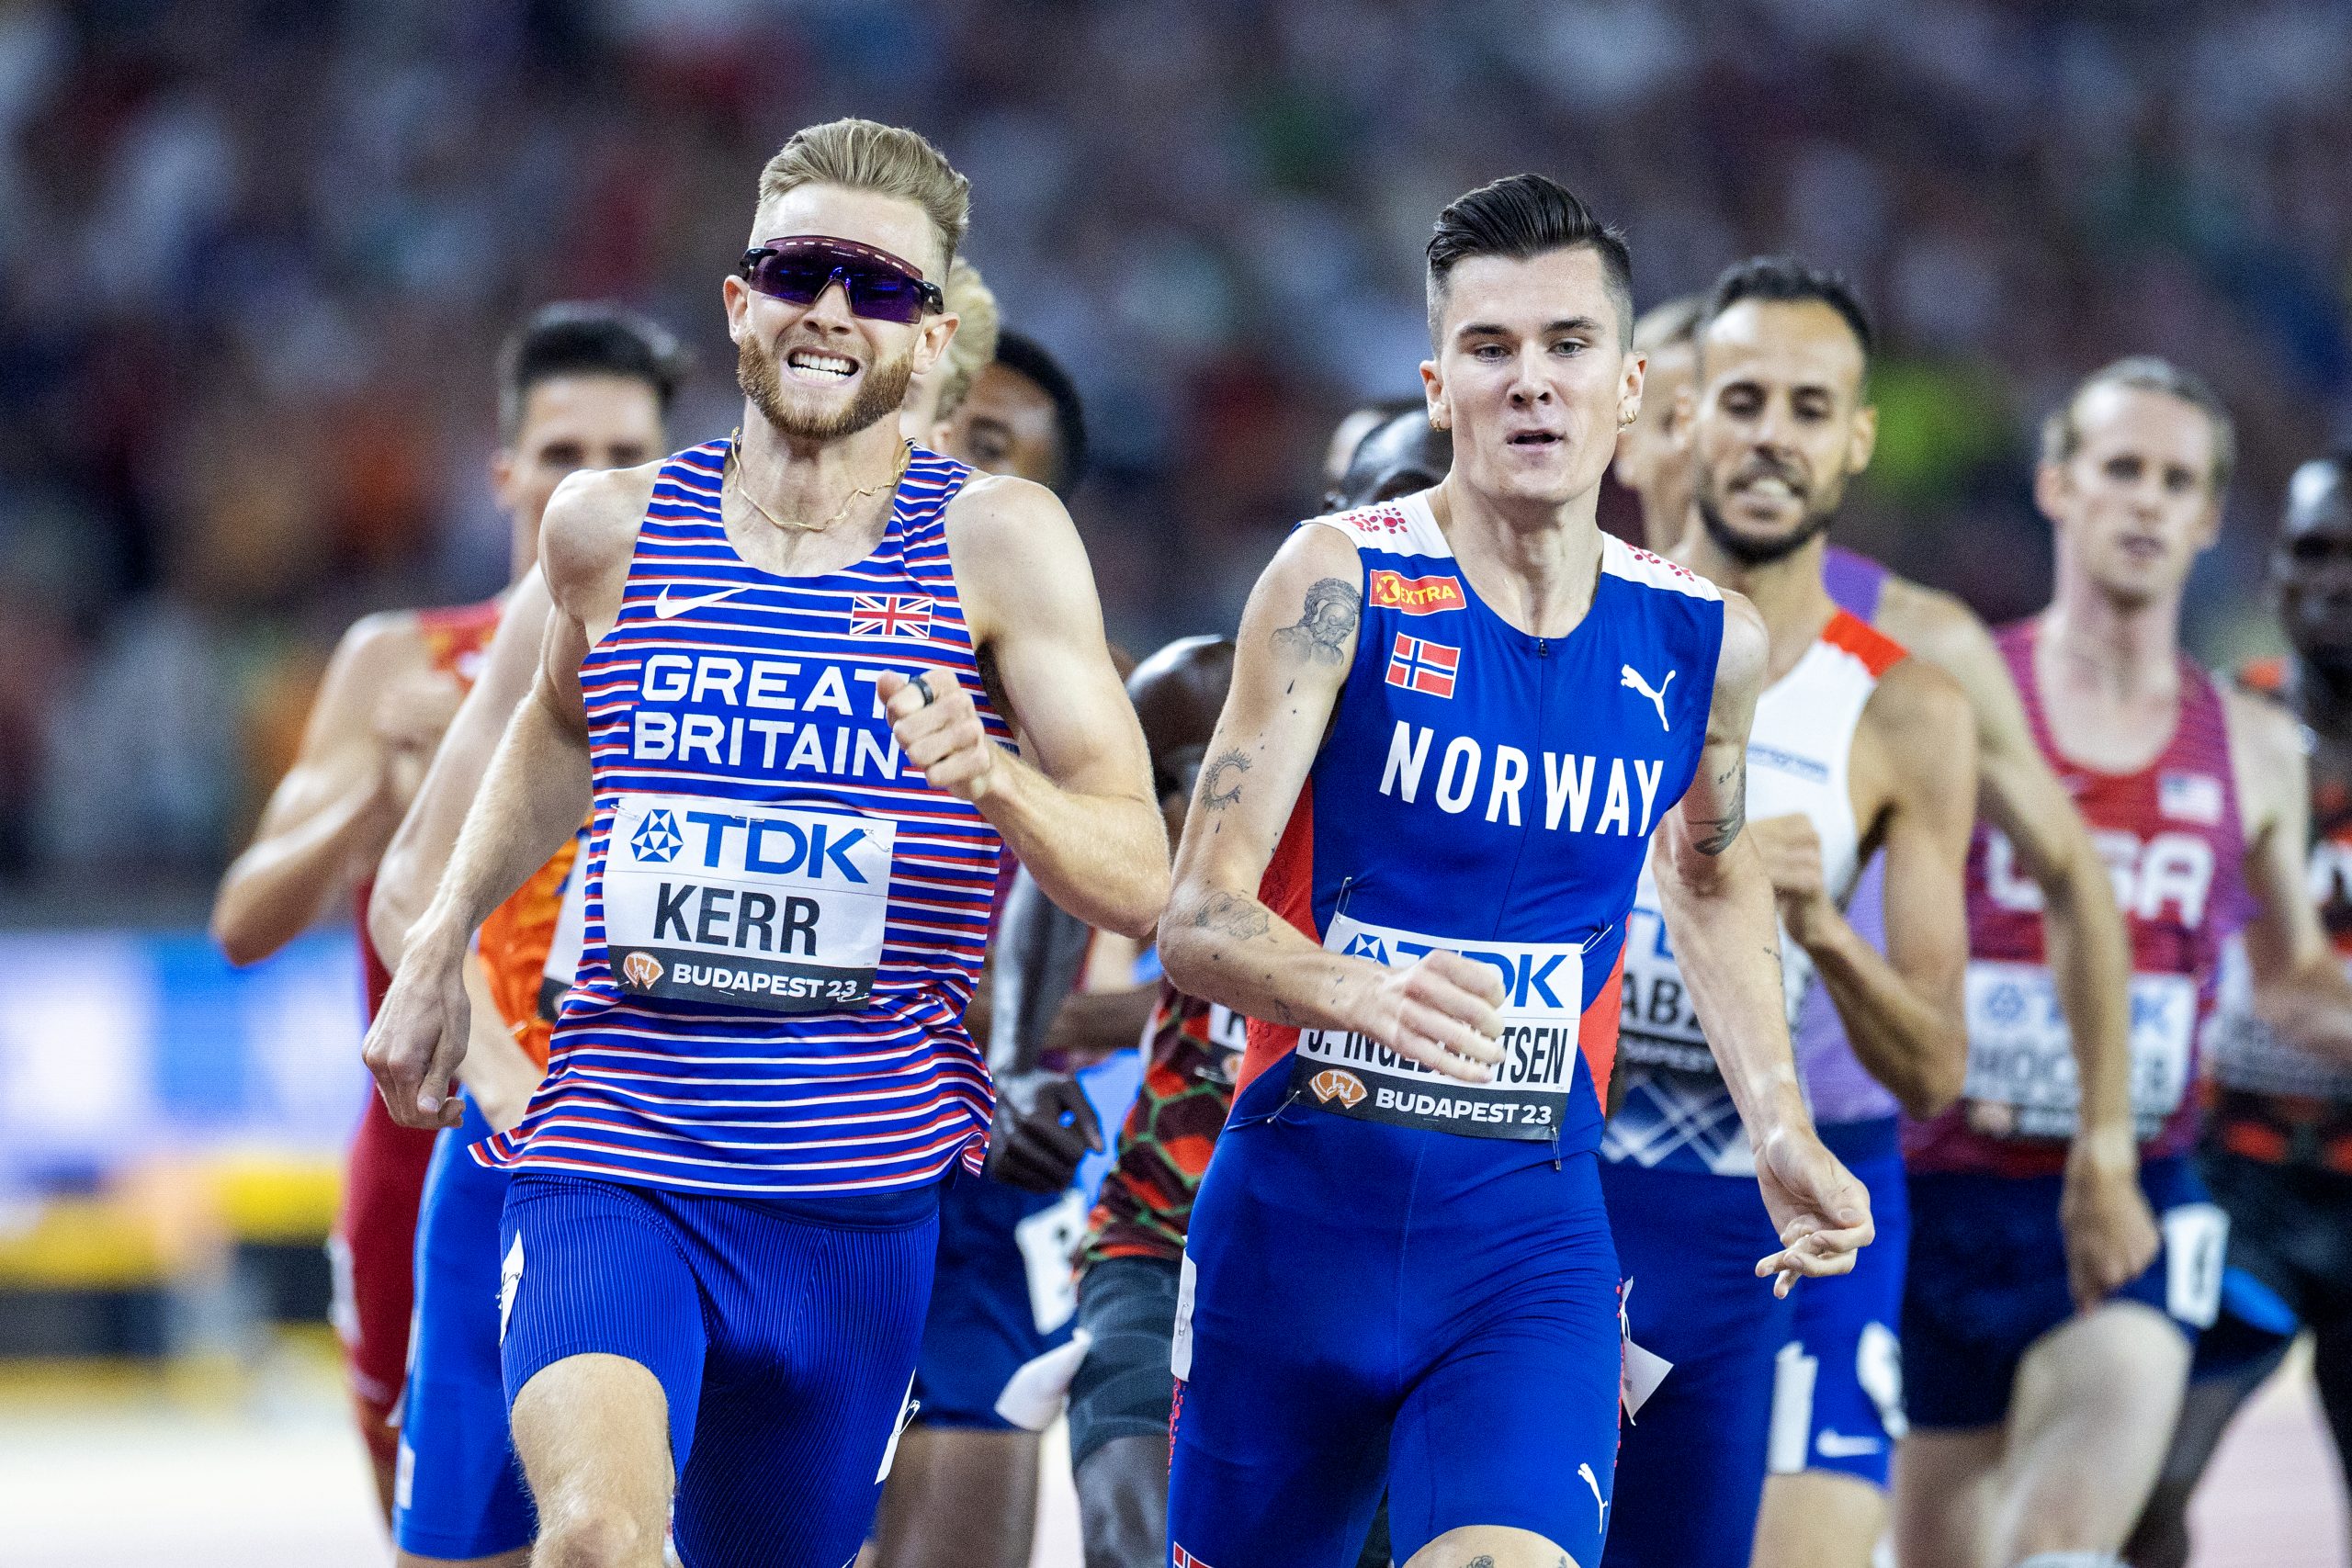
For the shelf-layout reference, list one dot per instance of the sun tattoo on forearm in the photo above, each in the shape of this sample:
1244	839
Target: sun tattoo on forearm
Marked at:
1217	792
1325	623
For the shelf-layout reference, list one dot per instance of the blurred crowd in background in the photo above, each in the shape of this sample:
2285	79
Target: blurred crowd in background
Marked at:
256	256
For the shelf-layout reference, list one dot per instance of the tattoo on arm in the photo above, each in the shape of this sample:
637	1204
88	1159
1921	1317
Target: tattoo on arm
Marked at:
1325	623
1234	916
1216	792
1714	835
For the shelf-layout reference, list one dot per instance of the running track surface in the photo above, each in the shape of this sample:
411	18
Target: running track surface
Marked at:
223	1469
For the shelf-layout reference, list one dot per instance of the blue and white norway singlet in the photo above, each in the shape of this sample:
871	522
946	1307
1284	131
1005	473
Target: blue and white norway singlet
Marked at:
1387	1269
783	923
1494	793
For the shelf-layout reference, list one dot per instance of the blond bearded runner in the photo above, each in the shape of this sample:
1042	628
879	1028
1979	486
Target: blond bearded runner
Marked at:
785	671
2039	1418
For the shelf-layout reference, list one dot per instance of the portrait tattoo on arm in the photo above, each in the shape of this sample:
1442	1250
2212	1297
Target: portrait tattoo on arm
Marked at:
1235	917
1221	783
1325	623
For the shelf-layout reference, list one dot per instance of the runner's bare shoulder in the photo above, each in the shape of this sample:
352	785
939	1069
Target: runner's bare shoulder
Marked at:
589	534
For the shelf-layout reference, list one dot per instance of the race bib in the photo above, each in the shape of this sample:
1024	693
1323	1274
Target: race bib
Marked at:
2021	1078
1657	1027
1348	1075
781	908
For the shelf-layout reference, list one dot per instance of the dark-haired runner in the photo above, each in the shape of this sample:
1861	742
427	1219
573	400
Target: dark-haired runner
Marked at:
579	387
1399	1266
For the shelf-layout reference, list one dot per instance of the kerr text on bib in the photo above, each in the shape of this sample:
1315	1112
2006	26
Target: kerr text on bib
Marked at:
776	907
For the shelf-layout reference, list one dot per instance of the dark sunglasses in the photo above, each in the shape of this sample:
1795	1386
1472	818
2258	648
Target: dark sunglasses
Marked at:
801	267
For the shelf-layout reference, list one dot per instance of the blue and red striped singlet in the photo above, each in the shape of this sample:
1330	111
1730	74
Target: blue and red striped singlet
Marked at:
784	923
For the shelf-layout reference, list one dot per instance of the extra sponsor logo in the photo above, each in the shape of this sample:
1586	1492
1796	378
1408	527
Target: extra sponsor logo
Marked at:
1333	1084
641	970
1417	595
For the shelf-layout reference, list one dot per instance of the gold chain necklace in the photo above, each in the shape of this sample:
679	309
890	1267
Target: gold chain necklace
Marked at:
786	524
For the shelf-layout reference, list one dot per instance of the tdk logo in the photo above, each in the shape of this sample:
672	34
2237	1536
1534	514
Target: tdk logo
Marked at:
1367	945
657	839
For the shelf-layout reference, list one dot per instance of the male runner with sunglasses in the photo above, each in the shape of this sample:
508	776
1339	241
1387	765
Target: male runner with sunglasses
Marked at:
784	670
579	386
1456	722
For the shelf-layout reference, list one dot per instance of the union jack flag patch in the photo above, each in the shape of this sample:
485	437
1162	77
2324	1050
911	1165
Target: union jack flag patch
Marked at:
890	614
1419	665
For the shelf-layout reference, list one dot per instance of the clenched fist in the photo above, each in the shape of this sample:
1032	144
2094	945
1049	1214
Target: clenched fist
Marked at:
1443	1011
939	731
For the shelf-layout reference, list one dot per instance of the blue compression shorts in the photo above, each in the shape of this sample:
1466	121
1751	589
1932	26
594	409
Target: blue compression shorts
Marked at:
783	1334
1838	1384
1690	1473
459	1489
1988	1278
1363	1303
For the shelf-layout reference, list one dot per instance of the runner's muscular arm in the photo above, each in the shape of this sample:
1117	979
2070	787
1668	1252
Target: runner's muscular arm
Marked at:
1717	902
1903	1011
537	789
329	817
2110	1235
2299	987
1077	807
1218	941
419	853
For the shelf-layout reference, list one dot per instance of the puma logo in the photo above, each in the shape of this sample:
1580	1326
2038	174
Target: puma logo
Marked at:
668	609
1633	677
1585	1471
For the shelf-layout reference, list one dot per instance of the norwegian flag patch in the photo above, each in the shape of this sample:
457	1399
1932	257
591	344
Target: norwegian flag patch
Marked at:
1419	665
890	614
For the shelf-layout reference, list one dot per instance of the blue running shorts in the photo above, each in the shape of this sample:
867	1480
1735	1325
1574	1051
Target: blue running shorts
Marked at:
1691	1473
459	1489
1006	1290
1838	1384
1363	1303
1988	1278
783	1333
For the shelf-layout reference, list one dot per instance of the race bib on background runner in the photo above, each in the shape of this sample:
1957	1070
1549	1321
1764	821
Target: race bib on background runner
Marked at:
781	908
2021	1079
1348	1075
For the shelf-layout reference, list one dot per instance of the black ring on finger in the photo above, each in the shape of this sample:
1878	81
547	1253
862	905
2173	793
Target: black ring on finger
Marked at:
922	683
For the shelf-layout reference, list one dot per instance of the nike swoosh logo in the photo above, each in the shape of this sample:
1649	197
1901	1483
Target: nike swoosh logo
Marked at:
1835	1445
668	609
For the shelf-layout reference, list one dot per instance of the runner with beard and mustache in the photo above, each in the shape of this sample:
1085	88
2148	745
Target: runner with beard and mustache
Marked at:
785	671
1856	749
